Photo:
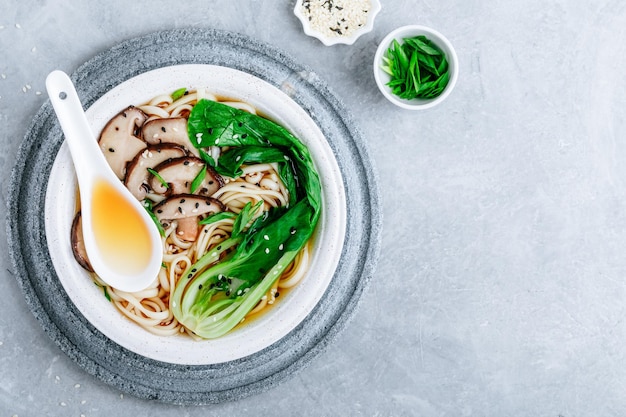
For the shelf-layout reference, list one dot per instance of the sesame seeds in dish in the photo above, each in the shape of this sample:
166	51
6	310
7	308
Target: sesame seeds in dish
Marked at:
337	21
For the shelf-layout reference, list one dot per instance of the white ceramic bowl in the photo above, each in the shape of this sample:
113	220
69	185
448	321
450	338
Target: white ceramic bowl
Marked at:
327	39
289	311
382	78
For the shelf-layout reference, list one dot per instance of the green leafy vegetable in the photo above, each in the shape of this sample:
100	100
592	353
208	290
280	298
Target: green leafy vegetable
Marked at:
178	93
216	293
418	68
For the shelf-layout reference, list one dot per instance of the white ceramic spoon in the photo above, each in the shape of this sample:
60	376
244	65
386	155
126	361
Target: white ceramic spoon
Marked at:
122	242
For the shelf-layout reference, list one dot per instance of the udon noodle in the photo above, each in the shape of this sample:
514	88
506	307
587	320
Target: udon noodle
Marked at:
150	308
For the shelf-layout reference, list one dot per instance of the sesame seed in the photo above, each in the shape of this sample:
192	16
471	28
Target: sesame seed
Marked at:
76	385
156	135
3	76
175	129
267	250
18	26
281	246
266	237
34	49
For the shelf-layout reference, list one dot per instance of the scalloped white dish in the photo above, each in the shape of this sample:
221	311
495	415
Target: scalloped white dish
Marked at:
288	311
343	16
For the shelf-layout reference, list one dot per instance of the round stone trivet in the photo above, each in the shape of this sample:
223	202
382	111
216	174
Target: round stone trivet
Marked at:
174	383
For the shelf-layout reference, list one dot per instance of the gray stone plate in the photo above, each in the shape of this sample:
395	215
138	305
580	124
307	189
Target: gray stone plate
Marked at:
184	384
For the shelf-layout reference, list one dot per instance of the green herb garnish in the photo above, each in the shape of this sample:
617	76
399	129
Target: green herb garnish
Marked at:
198	180
217	217
244	217
418	68
159	177
147	204
178	93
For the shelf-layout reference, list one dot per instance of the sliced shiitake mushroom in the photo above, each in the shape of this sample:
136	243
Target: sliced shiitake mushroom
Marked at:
118	140
179	174
137	174
78	244
185	209
172	130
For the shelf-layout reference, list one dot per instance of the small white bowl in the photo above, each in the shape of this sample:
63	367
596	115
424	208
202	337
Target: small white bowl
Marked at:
329	40
382	78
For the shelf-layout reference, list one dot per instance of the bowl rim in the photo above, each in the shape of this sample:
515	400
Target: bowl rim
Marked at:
346	40
381	77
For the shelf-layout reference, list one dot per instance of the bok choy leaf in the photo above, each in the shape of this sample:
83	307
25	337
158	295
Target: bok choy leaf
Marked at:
217	292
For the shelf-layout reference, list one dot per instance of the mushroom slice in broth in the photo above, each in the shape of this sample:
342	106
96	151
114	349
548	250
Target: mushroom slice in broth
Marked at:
137	174
78	244
186	209
118	141
179	174
172	130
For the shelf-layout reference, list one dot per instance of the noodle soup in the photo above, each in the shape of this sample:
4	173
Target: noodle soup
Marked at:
236	198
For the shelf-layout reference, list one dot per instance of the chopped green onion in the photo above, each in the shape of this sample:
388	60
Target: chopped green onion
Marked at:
198	180
159	177
178	93
418	68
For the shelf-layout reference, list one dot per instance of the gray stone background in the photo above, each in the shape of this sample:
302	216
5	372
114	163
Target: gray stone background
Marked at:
500	288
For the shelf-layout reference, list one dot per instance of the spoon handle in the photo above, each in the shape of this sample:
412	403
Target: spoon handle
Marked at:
78	135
